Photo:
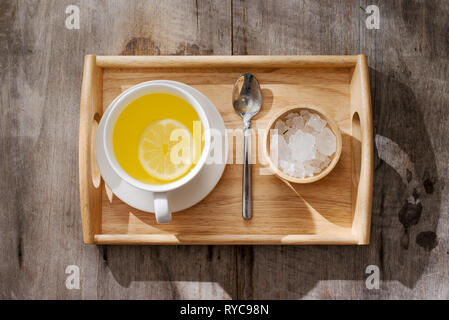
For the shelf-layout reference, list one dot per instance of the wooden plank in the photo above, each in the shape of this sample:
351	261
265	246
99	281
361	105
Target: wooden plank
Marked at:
11	165
41	232
362	155
90	113
407	63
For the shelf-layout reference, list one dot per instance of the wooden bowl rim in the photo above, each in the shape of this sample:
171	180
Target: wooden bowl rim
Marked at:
333	126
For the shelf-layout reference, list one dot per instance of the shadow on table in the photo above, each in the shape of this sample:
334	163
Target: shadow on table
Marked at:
401	236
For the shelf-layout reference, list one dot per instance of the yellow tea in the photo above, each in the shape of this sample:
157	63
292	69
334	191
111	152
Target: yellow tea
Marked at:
157	138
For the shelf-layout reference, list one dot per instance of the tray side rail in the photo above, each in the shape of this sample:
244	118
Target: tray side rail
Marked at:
89	176
362	149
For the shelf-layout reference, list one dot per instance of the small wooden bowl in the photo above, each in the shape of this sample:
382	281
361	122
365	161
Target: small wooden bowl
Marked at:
330	123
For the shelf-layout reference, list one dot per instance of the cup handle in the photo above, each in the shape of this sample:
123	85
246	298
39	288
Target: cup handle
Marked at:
161	209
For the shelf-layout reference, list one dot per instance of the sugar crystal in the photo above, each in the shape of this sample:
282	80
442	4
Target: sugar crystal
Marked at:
302	144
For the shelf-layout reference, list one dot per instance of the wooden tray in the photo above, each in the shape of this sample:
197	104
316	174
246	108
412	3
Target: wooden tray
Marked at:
335	210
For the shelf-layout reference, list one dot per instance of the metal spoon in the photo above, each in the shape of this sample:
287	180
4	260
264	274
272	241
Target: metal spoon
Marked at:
247	100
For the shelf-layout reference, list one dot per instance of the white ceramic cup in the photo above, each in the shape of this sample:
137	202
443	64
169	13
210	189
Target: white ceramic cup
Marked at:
104	150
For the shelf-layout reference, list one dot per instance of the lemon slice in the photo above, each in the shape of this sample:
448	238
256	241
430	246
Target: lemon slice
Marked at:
164	149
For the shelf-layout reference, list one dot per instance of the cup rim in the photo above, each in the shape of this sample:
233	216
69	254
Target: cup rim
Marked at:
119	102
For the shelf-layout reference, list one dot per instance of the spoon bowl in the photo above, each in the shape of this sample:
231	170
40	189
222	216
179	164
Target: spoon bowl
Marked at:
246	95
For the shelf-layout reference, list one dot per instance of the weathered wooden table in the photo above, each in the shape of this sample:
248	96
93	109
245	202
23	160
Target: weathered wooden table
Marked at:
41	59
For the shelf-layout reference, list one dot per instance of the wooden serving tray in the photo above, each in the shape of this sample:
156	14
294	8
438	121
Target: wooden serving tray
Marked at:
334	210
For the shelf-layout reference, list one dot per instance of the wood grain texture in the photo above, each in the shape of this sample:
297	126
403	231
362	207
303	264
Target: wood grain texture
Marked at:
408	62
42	63
323	208
334	158
90	113
279	61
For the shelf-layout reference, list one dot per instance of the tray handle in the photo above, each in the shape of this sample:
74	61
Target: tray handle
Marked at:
90	179
362	147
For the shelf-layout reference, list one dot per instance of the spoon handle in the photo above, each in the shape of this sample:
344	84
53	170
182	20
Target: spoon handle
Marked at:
246	192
